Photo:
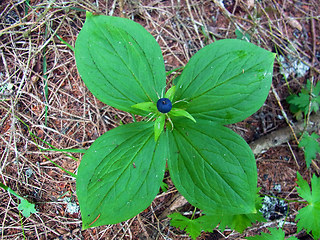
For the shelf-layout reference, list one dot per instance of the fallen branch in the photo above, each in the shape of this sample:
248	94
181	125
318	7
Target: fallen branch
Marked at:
284	135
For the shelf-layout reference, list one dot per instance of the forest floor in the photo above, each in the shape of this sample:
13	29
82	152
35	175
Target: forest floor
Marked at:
44	101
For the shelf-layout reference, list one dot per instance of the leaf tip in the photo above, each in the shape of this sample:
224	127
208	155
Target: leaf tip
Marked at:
89	14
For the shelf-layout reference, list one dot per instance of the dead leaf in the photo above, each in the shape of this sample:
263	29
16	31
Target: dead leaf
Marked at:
179	202
294	23
250	4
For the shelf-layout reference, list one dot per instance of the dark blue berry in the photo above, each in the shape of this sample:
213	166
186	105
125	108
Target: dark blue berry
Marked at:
164	105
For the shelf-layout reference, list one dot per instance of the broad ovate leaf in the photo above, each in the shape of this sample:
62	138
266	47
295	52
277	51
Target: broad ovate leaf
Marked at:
226	81
212	167
119	61
120	174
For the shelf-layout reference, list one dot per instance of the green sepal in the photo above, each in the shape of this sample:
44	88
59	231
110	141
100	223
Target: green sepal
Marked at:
178	112
170	93
158	126
146	106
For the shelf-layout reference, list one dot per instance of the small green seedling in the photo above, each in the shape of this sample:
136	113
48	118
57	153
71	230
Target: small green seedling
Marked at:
307	101
210	165
303	104
25	207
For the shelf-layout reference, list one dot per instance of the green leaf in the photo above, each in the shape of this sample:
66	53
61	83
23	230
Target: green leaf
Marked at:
226	81
208	222
119	61
212	167
72	150
275	234
309	216
315	98
311	147
238	222
192	227
170	93
292	238
26	208
120	174
295	109
316	89
164	187
177	112
146	106
301	102
159	126
178	69
242	35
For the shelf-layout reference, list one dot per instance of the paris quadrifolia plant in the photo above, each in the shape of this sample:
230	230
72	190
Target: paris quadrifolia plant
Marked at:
184	125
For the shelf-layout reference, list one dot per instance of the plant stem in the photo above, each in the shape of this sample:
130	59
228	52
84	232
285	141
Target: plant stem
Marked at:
175	70
24	235
194	212
65	170
45	76
66	43
288	201
10	191
33	136
134	118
